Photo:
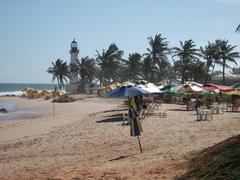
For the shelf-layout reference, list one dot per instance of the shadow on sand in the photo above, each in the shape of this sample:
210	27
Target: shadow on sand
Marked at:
111	118
116	110
121	157
177	109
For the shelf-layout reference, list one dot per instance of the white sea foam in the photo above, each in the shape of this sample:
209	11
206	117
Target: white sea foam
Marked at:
12	93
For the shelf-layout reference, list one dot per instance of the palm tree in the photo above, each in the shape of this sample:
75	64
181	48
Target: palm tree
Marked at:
133	66
86	71
110	63
198	71
158	52
149	70
236	70
238	28
209	54
186	53
59	70
226	54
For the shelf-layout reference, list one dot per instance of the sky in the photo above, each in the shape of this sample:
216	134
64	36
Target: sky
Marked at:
34	33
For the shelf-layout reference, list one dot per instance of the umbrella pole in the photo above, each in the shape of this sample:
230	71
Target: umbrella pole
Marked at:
54	109
140	146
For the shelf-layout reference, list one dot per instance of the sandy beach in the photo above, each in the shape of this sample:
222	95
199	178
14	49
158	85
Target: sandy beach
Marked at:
86	140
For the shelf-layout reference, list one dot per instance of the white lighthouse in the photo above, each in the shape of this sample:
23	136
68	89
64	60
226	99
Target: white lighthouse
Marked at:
73	68
74	52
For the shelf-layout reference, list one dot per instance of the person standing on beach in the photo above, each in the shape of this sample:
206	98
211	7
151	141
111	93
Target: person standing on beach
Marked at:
197	103
135	124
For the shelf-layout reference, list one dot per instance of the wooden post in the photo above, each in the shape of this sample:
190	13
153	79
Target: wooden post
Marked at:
53	109
140	146
55	91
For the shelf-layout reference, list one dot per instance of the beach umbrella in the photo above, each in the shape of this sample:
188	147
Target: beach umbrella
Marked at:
102	90
236	85
126	91
150	87
196	84
28	90
113	86
234	92
189	88
127	83
210	86
207	92
168	89
135	125
171	88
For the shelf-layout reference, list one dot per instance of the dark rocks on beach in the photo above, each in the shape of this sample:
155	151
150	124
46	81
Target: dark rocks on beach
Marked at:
3	110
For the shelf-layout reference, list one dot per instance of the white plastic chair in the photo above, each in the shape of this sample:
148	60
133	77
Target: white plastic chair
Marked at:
126	118
208	114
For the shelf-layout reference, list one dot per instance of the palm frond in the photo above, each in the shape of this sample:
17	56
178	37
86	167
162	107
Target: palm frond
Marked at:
238	28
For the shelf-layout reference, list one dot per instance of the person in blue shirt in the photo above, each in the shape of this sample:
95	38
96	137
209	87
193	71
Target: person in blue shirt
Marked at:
197	103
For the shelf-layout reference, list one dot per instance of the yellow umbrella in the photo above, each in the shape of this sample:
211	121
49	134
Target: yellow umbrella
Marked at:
39	92
102	87
45	92
27	90
234	92
102	90
61	92
113	86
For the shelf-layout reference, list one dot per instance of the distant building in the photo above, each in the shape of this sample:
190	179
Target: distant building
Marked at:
230	79
74	79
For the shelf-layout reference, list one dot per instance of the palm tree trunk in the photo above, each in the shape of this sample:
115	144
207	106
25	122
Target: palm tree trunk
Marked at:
223	72
183	76
206	74
62	84
58	83
213	68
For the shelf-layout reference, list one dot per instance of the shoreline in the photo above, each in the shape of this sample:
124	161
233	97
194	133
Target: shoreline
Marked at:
17	113
45	121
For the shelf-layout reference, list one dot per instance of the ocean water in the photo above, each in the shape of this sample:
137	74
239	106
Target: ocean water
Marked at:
9	89
14	113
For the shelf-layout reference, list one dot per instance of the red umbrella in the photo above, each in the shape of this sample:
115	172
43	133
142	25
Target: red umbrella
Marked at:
212	87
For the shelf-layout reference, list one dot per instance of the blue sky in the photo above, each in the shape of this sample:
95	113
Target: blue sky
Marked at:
34	33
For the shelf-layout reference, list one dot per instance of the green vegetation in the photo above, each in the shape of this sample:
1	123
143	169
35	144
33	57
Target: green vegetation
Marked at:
132	67
157	54
109	63
225	54
195	152
187	55
238	28
189	62
59	71
159	62
219	162
87	71
209	54
236	70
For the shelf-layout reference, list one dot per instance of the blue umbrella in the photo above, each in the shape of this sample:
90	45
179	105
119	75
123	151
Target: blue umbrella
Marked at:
236	85
126	91
129	91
